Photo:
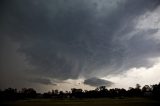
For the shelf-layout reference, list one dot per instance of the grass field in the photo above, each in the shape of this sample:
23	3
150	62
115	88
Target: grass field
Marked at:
85	102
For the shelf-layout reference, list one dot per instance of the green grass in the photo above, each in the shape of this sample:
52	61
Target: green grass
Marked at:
85	102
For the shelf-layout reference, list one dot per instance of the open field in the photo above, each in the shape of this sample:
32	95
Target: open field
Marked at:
85	102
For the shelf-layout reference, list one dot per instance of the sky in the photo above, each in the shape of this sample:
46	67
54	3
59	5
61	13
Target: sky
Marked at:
64	44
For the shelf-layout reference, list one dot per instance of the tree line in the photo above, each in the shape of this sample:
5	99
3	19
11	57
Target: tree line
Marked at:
152	91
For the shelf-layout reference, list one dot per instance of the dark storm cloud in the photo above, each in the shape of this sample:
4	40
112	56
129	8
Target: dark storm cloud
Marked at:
97	82
140	48
42	81
66	39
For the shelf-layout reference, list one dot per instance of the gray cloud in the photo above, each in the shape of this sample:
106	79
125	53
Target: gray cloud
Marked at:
42	81
98	82
68	39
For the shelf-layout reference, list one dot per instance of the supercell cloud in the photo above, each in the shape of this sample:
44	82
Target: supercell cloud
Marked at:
71	39
97	82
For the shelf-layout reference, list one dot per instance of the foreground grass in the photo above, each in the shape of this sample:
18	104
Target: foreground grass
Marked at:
85	102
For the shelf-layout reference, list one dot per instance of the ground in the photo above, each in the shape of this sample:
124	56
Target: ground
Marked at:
85	102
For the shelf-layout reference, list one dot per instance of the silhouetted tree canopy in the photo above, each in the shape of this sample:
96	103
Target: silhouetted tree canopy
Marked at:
152	91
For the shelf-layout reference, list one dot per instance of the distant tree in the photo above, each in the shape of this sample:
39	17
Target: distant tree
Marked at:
112	93
135	91
56	92
77	93
103	92
122	92
47	95
138	86
10	94
138	91
28	92
61	94
146	90
102	88
131	92
156	91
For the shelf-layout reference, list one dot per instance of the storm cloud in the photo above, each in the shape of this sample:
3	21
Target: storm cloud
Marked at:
96	82
42	81
68	39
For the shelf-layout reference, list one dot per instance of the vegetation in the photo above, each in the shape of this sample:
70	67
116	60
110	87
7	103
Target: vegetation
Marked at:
147	95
